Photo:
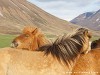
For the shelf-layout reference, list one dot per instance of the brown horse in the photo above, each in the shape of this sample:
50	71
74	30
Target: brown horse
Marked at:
95	44
31	38
59	58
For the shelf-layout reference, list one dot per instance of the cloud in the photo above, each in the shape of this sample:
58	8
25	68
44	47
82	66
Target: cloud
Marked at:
67	9
77	2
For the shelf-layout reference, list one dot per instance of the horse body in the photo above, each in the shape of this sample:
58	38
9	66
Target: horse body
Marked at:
18	62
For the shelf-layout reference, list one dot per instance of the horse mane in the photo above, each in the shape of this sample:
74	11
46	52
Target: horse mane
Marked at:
94	44
66	48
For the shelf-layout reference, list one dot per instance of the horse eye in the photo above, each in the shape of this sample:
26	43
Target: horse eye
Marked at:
26	35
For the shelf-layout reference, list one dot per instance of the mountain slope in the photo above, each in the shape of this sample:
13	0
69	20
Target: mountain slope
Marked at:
89	19
15	14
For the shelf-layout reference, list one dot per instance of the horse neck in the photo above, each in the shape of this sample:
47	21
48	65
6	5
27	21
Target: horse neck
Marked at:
61	64
70	68
74	63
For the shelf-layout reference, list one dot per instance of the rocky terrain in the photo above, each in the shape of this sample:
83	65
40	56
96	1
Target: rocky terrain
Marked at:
16	14
88	19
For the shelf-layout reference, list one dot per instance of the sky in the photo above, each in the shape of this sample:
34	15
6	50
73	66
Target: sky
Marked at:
67	9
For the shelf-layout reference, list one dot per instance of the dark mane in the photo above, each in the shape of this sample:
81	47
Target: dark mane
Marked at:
94	44
66	48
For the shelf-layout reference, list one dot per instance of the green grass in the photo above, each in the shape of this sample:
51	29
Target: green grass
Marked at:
95	38
50	36
5	40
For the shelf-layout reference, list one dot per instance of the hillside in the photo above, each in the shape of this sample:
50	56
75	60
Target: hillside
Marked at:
88	19
15	14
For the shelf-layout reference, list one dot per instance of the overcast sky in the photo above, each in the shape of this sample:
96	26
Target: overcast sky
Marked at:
67	9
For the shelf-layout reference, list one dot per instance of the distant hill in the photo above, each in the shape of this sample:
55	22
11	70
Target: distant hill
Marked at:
88	19
15	14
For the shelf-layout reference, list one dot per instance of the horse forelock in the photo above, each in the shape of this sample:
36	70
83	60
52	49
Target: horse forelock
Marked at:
65	49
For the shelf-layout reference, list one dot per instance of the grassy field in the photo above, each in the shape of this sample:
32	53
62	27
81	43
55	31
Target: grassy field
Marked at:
5	40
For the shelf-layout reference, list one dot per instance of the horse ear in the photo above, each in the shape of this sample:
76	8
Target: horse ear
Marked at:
85	32
35	31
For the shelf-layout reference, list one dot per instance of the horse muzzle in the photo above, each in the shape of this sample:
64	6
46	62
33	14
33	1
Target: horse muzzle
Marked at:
14	44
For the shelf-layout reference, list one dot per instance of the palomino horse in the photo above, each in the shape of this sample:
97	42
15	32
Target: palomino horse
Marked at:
95	44
31	39
59	58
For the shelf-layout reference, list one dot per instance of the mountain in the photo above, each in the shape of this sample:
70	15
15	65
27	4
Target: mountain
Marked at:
16	14
88	19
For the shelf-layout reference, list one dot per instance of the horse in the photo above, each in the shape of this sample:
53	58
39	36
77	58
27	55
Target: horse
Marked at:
59	58
95	44
26	40
88	64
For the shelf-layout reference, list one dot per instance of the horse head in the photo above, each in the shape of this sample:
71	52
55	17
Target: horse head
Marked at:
31	38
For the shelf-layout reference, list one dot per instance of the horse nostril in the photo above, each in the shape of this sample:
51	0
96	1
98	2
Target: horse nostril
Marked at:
14	44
